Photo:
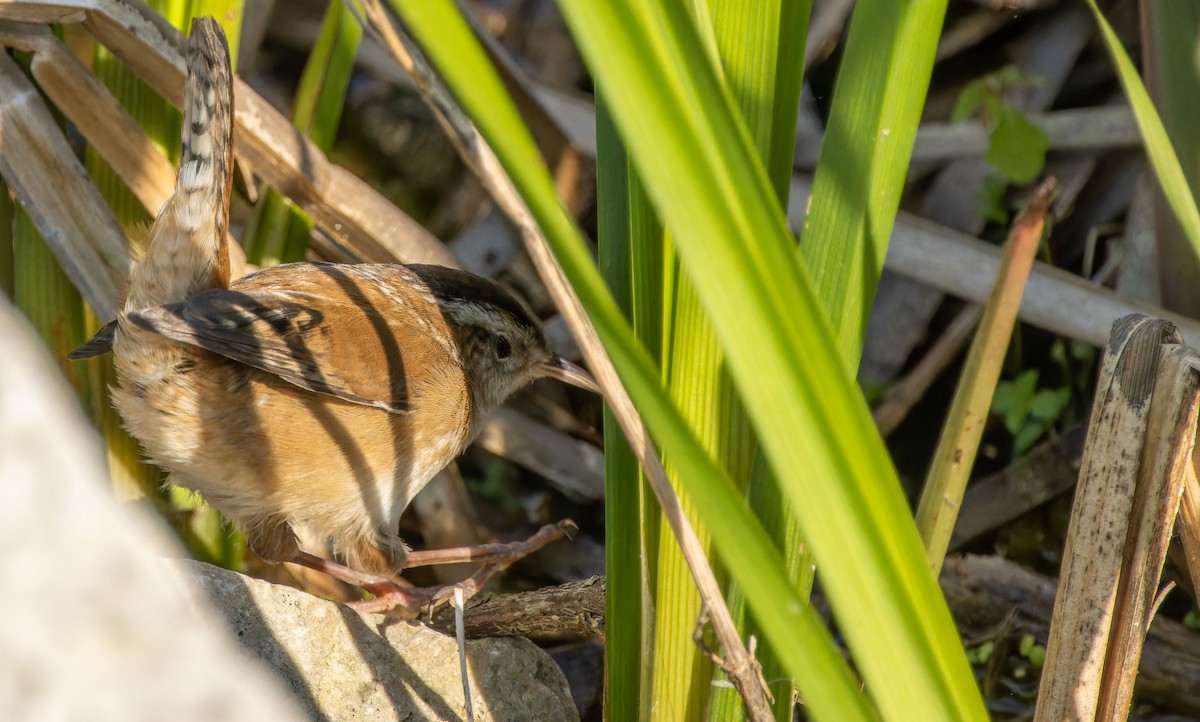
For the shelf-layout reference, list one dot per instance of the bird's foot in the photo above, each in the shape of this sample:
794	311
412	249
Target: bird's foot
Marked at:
396	593
396	596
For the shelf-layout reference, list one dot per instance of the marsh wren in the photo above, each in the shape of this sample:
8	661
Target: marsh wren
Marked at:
309	395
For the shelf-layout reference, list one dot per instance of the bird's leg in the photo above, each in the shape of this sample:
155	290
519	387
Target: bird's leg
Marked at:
507	553
389	593
496	558
397	595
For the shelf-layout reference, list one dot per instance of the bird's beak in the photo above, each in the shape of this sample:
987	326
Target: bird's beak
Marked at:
567	372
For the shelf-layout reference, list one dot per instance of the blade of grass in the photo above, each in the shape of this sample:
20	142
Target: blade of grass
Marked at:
811	419
759	51
750	555
697	381
1169	34
630	514
279	231
1162	155
47	298
790	46
959	442
864	157
475	150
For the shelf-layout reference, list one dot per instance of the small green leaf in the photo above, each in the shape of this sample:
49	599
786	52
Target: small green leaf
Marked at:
184	499
970	100
1017	147
1058	353
982	653
1019	401
1027	384
1010	77
1082	351
1026	644
873	391
1161	153
1048	404
1031	650
1191	620
1004	398
1030	432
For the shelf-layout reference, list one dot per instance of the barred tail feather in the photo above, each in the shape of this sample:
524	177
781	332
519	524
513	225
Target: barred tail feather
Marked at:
187	252
206	165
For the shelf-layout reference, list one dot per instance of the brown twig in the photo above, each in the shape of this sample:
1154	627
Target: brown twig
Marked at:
739	666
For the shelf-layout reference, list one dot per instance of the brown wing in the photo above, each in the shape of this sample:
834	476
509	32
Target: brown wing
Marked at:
332	329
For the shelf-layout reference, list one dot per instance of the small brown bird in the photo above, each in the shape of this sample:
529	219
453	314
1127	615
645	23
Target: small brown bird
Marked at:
309	395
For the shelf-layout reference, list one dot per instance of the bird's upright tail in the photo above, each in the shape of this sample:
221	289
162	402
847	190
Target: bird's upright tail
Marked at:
186	253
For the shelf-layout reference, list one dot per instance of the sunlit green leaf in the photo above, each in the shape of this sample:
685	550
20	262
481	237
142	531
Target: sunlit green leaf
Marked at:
1158	146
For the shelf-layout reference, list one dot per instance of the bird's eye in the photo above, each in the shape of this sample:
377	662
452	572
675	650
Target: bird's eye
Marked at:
503	347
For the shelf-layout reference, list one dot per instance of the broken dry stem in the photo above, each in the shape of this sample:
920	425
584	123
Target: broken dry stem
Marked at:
1166	457
1137	461
959	442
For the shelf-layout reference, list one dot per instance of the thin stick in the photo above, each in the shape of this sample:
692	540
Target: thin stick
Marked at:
461	634
739	665
955	455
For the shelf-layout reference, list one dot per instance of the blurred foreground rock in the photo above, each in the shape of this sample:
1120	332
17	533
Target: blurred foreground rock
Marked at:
93	627
97	627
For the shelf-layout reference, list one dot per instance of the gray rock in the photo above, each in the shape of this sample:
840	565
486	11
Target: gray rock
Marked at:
343	665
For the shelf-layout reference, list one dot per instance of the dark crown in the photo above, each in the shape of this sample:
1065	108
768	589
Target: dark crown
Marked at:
462	287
